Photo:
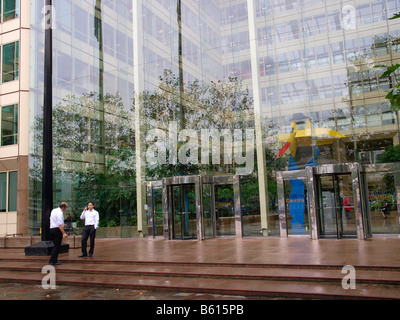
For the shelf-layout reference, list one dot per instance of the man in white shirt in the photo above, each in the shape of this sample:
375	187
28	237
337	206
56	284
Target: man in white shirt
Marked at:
91	217
57	231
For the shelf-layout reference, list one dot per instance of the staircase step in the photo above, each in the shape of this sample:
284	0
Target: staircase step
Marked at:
83	261
245	273
311	283
293	289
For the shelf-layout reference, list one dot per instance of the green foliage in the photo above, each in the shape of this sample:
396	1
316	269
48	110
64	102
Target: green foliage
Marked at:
396	16
391	72
391	154
214	105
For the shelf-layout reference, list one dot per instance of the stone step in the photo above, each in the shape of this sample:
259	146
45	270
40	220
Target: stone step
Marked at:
82	261
234	280
217	272
266	288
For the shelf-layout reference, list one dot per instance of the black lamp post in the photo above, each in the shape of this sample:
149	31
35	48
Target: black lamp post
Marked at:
44	247
47	174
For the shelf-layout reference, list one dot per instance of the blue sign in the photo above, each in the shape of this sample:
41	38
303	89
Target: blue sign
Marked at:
297	200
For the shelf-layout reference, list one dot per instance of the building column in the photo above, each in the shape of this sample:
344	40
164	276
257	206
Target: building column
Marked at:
22	196
261	161
138	69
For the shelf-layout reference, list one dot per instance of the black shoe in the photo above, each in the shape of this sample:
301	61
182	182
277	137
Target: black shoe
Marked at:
82	255
90	255
55	264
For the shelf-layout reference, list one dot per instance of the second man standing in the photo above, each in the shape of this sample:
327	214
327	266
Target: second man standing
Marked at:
91	217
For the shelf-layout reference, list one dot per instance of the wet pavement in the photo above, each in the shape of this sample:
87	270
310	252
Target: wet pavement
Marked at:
378	252
17	291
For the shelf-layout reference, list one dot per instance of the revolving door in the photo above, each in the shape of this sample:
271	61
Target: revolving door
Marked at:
194	207
327	201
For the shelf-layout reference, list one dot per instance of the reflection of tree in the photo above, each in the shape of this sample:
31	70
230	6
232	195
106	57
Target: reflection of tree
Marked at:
217	105
100	166
391	155
391	73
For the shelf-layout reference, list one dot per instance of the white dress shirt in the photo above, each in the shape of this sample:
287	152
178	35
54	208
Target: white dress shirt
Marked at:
91	218
56	218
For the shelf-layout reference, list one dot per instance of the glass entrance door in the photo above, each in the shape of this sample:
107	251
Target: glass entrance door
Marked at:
184	212
224	210
296	208
154	208
195	207
337	217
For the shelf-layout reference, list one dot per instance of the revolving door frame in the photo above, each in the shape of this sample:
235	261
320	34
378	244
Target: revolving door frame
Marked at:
310	174
166	185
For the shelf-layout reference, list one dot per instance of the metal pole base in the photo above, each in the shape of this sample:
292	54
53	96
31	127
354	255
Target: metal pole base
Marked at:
44	248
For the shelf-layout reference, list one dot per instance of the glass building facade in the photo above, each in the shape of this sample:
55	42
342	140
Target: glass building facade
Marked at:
202	118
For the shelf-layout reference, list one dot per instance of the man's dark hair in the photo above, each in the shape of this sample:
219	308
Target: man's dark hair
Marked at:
91	203
63	205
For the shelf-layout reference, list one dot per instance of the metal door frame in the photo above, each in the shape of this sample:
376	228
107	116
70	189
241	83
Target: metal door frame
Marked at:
151	185
352	169
214	181
339	234
166	185
310	174
382	168
281	177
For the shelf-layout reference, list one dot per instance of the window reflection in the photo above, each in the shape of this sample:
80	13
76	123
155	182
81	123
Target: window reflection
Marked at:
307	65
9	125
10	65
10	9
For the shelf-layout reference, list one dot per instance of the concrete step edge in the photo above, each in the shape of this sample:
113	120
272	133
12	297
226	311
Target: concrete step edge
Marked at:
204	264
215	290
237	276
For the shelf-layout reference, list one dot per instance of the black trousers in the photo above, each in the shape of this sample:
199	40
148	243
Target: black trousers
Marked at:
88	231
56	236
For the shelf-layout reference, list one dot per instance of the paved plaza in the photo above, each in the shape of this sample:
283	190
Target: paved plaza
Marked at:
134	255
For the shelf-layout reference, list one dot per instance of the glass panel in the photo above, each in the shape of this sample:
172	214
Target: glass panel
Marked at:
345	205
9	125
326	208
3	192
296	207
94	148
10	61
273	210
374	115
177	211
251	218
12	192
196	70
10	9
158	212
208	213
337	52
189	219
184	212
225	214
383	203
336	206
